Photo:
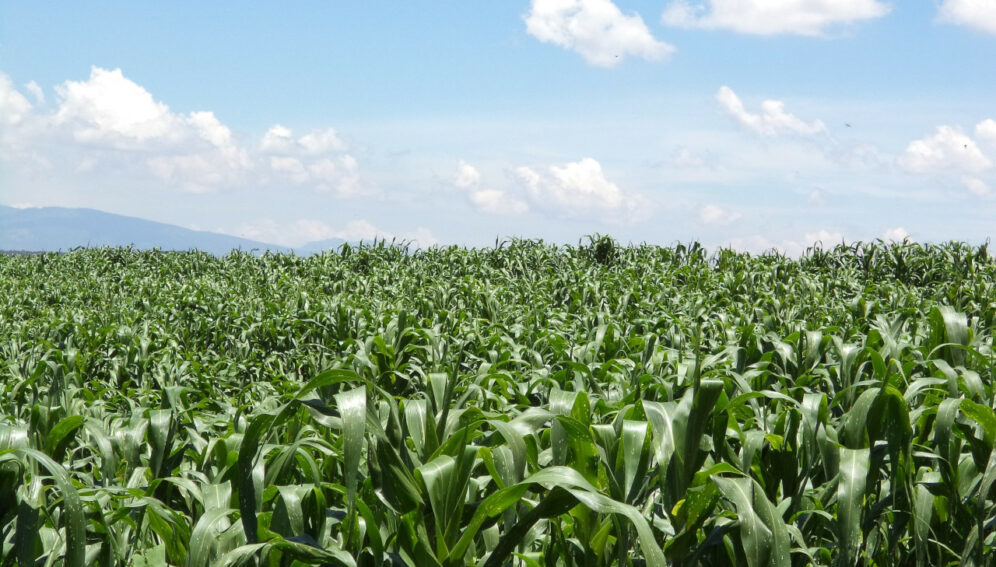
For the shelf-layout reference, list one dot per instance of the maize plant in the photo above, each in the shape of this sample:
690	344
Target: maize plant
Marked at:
524	405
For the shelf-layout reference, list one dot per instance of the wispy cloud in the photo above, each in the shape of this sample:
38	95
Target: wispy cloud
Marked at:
772	17
771	121
714	214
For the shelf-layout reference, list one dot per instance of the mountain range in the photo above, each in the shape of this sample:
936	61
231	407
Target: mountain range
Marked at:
50	229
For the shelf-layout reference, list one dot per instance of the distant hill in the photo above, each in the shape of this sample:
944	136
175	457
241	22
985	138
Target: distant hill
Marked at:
47	229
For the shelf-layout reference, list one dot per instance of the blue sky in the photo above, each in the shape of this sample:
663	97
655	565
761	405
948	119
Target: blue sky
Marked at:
752	123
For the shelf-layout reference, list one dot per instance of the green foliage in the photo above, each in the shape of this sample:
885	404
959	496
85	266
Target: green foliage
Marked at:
525	405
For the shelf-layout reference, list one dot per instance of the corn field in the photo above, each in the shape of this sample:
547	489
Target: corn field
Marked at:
525	405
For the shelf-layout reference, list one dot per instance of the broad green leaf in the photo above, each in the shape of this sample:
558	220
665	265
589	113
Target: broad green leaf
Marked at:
762	531
72	507
850	501
353	407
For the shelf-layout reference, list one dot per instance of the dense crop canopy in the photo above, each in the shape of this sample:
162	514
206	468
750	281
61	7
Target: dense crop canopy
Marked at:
526	405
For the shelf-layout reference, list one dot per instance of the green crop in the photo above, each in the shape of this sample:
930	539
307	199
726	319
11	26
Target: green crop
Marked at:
527	405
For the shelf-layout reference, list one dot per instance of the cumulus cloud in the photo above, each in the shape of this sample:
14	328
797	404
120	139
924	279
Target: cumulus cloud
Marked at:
948	149
210	129
771	121
336	174
277	139
493	201
467	176
976	14
714	214
13	105
596	29
317	159
986	130
36	91
896	234
321	142
110	121
110	107
217	161
771	17
581	189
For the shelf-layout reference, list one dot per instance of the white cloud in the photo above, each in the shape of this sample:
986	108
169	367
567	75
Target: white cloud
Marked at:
280	140
361	230
771	17
772	120
976	186
986	130
305	231
580	184
36	91
109	113
825	237
321	142
13	105
218	163
110	107
191	173
793	247
714	214
596	29
336	174
108	123
896	234
210	129
364	230
277	139
297	233
317	159
581	189
947	149
290	166
496	201
493	201
421	237
467	176
977	14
